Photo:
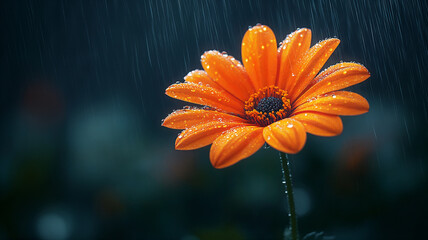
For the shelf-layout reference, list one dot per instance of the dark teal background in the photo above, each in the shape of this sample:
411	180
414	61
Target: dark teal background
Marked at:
83	155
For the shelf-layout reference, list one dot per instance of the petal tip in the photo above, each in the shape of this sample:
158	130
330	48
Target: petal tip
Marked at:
304	30
215	161
216	165
334	41
167	123
219	163
178	143
368	108
169	90
179	146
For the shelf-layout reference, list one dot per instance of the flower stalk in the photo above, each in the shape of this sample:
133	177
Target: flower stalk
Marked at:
286	175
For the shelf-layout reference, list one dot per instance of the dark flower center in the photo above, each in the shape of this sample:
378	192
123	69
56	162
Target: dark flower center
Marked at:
269	104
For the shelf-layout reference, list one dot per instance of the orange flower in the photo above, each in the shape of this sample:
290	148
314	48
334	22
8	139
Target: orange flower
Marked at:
276	97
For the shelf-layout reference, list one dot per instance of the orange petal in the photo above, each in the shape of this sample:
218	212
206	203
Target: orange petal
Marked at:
287	135
336	103
186	118
312	63
202	135
259	55
334	78
292	49
320	124
204	95
226	73
202	78
235	145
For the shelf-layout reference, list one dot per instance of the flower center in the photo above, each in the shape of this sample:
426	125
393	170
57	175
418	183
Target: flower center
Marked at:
268	105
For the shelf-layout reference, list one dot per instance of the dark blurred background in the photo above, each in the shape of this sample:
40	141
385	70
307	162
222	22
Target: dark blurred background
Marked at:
84	156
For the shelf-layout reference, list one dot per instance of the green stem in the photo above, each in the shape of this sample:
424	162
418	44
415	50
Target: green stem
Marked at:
290	196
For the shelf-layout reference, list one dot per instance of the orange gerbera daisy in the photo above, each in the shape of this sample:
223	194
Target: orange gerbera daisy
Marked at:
275	97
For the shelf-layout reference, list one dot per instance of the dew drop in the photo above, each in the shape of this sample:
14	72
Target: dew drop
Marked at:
290	125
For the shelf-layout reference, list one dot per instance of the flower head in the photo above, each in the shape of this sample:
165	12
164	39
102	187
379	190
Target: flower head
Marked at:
275	96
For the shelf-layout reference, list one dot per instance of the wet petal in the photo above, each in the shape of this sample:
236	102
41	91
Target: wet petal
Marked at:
226	73
336	103
312	63
186	118
202	135
235	145
202	78
204	95
292	49
320	124
259	55
334	78
287	135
